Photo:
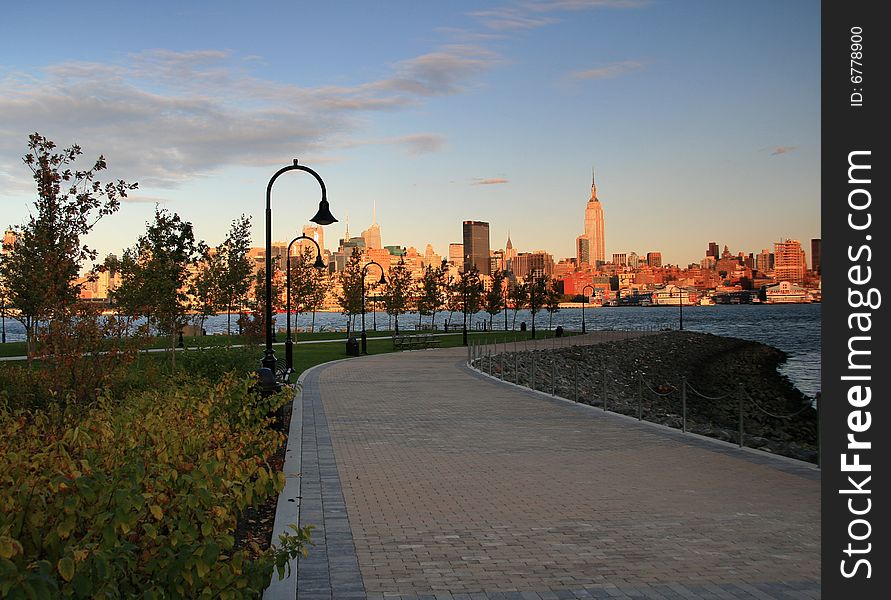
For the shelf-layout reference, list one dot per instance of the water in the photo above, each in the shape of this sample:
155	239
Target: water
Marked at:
793	328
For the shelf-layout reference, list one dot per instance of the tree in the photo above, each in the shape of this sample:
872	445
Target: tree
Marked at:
430	296
233	268
155	274
350	296
254	325
306	282
552	301
318	293
470	292
518	294
493	302
204	287
40	267
537	288
397	291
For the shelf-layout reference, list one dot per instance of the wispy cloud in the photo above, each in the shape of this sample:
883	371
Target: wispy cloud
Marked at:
610	71
775	150
165	117
532	14
495	181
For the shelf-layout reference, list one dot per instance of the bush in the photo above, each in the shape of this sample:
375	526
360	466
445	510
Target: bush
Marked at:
139	496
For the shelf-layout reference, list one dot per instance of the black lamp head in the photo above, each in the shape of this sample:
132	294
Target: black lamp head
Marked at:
319	264
383	280
324	216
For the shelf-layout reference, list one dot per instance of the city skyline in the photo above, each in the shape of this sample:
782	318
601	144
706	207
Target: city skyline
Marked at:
488	112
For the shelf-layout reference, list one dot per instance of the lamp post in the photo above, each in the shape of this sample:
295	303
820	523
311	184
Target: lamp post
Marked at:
382	281
323	217
319	264
584	302
506	298
3	316
681	308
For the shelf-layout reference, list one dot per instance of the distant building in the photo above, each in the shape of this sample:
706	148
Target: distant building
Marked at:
620	259
539	262
476	246
764	261
583	250
713	250
816	246
456	254
594	227
654	259
372	236
785	292
789	263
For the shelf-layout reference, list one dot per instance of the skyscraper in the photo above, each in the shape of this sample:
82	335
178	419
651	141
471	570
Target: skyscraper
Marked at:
476	246
816	246
713	250
789	264
594	226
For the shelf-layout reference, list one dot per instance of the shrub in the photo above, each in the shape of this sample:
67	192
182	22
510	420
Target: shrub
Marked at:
139	496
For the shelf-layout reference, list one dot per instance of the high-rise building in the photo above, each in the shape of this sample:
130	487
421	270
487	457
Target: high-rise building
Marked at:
538	262
764	261
713	250
816	247
654	259
476	246
456	254
620	258
372	236
594	227
510	253
789	263
582	250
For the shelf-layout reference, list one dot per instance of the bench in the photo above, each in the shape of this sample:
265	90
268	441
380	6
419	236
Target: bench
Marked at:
415	342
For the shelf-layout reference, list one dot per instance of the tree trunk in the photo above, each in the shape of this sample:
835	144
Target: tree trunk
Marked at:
312	328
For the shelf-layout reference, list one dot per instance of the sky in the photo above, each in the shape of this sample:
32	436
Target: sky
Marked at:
701	118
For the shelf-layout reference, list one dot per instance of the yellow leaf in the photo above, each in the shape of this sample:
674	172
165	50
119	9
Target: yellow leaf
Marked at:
156	511
9	547
66	568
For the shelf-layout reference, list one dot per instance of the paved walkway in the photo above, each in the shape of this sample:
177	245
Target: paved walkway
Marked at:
425	479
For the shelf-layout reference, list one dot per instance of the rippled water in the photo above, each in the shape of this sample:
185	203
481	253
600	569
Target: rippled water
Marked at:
795	329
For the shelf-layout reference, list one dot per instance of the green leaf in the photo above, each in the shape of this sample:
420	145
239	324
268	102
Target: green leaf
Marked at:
66	568
156	511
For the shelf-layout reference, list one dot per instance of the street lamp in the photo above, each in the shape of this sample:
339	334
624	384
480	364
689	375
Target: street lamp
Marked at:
585	301
464	305
382	281
289	343
506	298
323	217
3	315
681	307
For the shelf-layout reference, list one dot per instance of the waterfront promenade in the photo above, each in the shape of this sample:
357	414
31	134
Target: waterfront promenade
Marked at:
425	479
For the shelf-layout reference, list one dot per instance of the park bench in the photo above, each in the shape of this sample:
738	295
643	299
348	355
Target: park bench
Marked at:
415	342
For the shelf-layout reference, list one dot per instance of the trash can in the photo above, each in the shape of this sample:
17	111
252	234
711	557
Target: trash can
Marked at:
559	331
523	326
352	346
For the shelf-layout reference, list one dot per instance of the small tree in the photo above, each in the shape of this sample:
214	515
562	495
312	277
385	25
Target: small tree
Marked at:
552	301
518	294
350	296
204	286
318	292
493	301
397	291
234	268
470	292
155	274
430	296
40	267
304	280
537	289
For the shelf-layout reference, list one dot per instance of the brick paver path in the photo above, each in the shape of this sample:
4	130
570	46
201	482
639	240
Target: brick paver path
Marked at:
458	486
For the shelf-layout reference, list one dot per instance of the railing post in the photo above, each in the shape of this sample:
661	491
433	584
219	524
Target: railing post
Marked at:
684	404
553	376
604	386
639	396
532	379
575	382
741	392
501	366
469	358
516	368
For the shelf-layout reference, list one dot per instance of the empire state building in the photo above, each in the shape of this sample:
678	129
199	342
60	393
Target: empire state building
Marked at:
594	227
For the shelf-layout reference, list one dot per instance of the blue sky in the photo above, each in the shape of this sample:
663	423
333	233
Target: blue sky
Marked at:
702	118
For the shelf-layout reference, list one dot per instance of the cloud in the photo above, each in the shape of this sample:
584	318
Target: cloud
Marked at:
608	71
531	14
490	181
781	150
164	117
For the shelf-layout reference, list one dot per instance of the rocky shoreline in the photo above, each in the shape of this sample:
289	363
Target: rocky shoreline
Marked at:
643	376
